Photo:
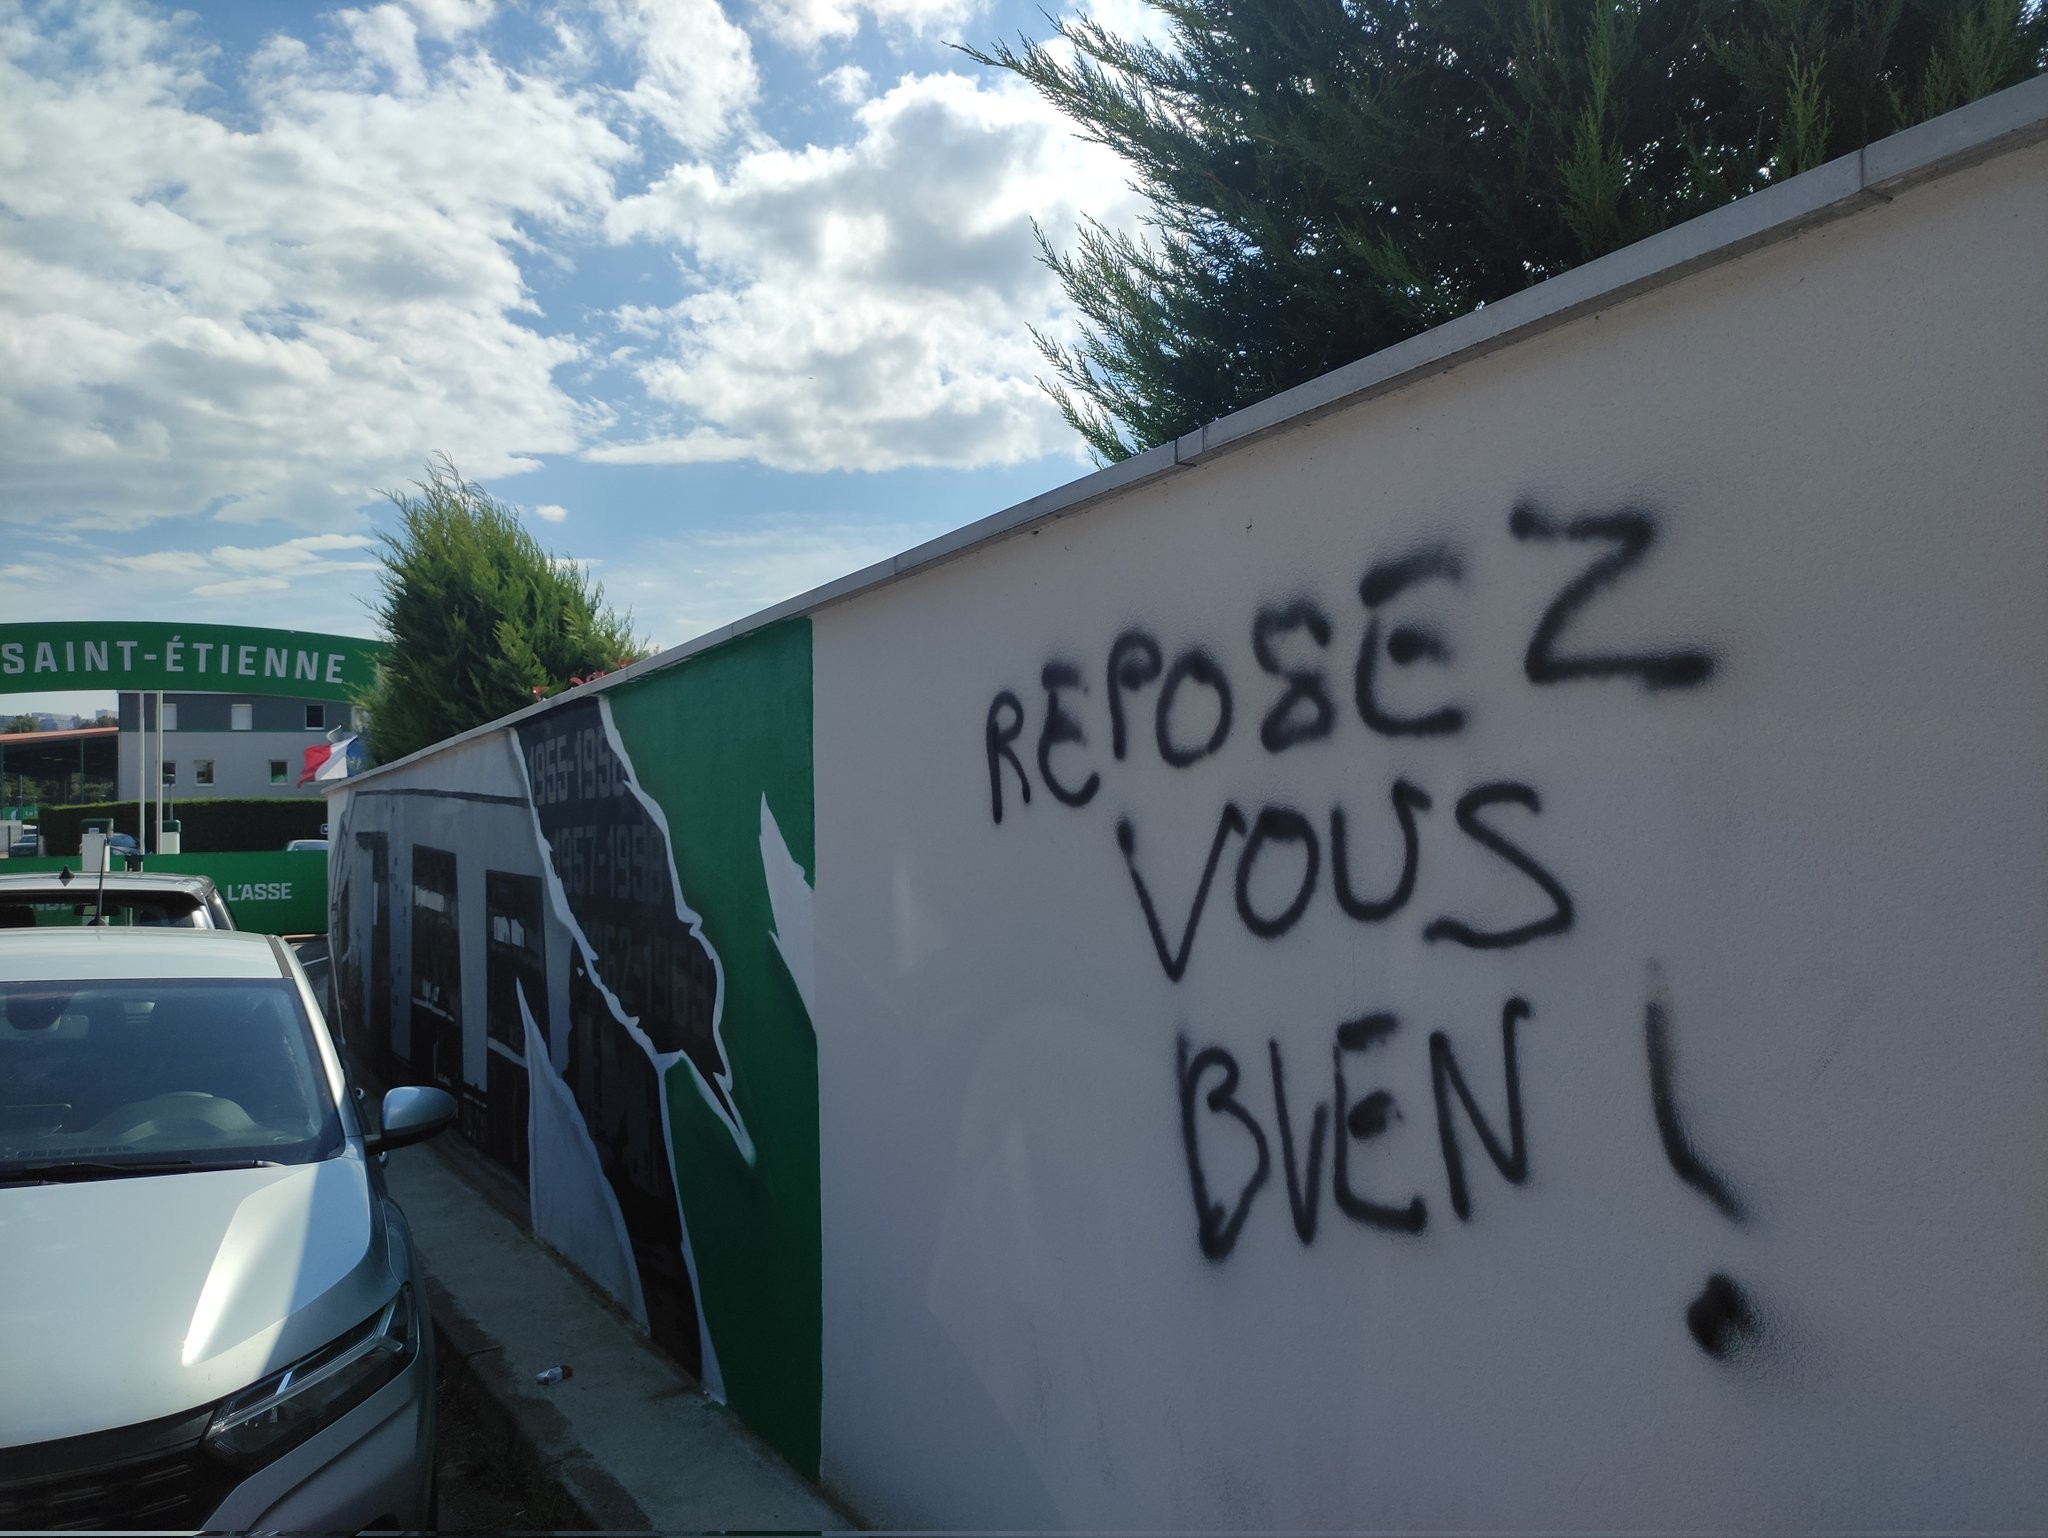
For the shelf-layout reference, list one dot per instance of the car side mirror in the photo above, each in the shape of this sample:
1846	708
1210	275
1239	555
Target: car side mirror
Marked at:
412	1114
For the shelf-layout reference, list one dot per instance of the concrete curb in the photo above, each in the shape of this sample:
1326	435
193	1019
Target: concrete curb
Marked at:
630	1440
541	1434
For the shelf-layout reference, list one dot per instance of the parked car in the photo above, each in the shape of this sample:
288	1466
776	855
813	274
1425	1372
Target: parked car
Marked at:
215	1315
297	844
66	899
27	847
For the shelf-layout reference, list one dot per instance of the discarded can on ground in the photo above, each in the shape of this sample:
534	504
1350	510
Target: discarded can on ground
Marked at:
553	1375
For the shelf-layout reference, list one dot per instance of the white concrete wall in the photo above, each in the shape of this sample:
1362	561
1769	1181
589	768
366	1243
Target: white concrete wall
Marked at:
1819	873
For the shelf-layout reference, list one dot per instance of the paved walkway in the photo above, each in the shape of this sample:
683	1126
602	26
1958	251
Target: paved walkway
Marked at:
629	1436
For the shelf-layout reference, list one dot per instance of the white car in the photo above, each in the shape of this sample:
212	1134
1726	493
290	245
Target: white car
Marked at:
212	1315
67	898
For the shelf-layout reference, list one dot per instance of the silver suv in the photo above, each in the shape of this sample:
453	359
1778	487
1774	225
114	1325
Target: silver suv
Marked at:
66	899
216	1318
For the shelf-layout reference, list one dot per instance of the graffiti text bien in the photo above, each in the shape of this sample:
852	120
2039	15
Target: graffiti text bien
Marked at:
1214	1091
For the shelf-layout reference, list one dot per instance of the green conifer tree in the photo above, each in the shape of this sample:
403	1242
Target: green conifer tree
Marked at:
1328	177
479	619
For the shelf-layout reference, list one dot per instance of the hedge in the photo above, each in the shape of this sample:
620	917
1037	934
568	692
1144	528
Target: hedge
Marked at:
252	822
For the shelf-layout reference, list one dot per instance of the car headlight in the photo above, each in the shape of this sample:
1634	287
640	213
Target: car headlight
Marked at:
270	1418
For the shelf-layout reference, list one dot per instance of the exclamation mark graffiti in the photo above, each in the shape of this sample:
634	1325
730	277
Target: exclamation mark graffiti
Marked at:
1722	1319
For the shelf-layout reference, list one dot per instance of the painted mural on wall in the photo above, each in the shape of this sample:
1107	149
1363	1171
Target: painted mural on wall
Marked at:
594	928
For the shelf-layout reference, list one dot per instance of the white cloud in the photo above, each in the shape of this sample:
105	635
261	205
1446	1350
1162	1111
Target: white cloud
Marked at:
246	288
807	23
696	69
1133	20
451	18
324	577
227	569
848	84
308	554
867	306
386	38
272	320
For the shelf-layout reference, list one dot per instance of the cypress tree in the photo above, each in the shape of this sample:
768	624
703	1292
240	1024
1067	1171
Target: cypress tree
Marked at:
479	619
1328	177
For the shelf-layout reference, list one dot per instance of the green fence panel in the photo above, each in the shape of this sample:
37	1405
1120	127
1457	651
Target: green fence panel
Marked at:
273	892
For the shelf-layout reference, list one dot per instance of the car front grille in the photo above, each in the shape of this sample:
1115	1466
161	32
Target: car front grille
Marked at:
150	1476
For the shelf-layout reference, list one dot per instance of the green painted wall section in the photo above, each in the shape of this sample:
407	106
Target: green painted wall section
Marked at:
709	739
272	892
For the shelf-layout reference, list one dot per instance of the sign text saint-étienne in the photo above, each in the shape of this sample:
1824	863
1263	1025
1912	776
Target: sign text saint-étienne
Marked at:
186	659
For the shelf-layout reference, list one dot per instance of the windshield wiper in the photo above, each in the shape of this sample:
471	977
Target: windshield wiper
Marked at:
51	1171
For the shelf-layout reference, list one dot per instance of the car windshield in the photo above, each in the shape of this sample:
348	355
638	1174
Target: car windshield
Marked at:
108	1075
69	907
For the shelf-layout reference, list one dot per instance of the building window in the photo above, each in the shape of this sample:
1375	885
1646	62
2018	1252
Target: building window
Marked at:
170	771
277	771
316	718
202	771
170	717
240	717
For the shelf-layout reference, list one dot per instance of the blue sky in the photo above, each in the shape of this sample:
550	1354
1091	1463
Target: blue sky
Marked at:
725	298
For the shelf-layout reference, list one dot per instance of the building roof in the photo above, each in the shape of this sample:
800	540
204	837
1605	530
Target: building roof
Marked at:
64	734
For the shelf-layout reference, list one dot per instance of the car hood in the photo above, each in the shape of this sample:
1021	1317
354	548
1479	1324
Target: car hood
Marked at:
125	1300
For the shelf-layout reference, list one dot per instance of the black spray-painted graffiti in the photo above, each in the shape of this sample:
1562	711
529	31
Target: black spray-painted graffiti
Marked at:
1272	858
1722	1318
1194	712
1279	828
1348	1121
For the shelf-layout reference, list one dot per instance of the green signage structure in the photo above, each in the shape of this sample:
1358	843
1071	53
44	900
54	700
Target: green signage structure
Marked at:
185	659
272	891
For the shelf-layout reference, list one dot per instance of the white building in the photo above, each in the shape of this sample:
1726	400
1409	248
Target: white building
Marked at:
215	745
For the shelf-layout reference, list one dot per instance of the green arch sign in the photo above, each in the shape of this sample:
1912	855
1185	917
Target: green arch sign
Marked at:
185	659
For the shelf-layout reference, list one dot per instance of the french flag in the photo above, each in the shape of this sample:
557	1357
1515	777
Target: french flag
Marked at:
330	760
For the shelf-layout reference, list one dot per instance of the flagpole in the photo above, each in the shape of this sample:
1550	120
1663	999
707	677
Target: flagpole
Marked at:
141	768
157	841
